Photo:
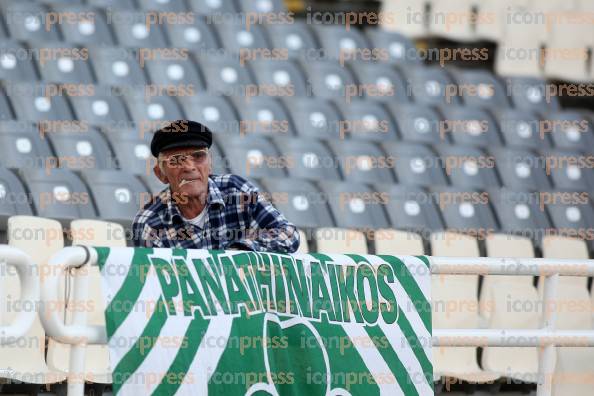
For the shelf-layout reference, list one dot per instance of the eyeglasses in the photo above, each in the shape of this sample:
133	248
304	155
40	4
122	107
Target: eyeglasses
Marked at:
198	157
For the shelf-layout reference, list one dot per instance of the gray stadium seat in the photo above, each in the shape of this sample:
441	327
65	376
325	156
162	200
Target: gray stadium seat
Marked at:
415	164
466	210
399	48
116	66
197	36
101	109
573	219
253	156
14	67
519	212
5	111
133	30
279	78
219	161
261	115
521	128
177	6
469	126
34	102
570	170
85	31
569	130
113	4
153	111
214	111
237	36
429	85
182	75
81	150
21	145
468	167
380	82
480	88
311	159
153	185
363	162
213	6
417	123
26	21
314	117
262	6
118	195
295	39
328	79
72	68
300	202
13	197
132	150
59	195
341	43
224	74
412	209
355	205
528	93
367	120
520	169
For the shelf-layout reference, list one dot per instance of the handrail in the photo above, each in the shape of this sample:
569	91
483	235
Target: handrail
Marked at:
28	274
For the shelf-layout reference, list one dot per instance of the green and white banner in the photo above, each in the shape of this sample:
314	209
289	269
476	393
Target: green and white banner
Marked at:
198	322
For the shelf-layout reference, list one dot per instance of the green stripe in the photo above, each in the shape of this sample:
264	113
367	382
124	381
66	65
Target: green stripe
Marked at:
136	355
392	360
184	358
425	260
102	254
406	279
129	291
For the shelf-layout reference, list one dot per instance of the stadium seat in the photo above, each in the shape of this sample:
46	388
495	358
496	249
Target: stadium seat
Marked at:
399	48
14	67
531	94
569	130
135	32
154	185
58	194
311	159
225	75
569	170
363	162
72	68
5	111
113	4
300	202
27	21
13	198
253	156
279	78
84	31
177	6
104	108
572	216
456	291
131	149
153	112
21	145
469	126
262	115
118	195
177	77
429	85
395	242
417	123
35	102
415	164
213	6
411	208
480	88
262	6
214	111
379	82
519	169
342	44
354	205
314	118
77	150
237	36
294	39
498	292
468	166
463	29
198	36
367	120
116	66
340	241
40	239
219	162
401	21
328	79
521	129
574	39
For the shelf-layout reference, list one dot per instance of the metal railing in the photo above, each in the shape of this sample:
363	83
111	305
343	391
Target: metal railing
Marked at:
78	334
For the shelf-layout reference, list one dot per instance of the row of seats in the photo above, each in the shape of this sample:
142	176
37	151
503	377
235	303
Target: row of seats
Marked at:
542	39
33	365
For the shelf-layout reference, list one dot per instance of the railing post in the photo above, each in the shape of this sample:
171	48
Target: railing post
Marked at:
547	355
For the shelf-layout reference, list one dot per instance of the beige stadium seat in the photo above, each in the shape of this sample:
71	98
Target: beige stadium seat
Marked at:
496	294
394	242
567	52
452	20
574	369
405	16
91	233
493	17
303	243
459	294
340	240
25	361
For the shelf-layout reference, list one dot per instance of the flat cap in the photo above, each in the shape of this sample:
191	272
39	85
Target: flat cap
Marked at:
181	133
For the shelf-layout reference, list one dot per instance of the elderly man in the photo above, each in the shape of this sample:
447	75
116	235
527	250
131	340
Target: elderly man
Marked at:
200	210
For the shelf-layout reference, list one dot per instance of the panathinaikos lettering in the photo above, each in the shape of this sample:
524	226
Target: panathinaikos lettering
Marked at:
263	282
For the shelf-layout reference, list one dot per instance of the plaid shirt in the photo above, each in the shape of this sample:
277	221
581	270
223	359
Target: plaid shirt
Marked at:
237	216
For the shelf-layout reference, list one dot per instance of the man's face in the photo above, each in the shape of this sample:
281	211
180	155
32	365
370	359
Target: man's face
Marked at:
186	171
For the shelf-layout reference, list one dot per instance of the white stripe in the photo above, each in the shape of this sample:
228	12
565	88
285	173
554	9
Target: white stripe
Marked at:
115	270
420	272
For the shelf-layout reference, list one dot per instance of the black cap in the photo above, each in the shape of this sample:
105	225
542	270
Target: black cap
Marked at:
181	133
